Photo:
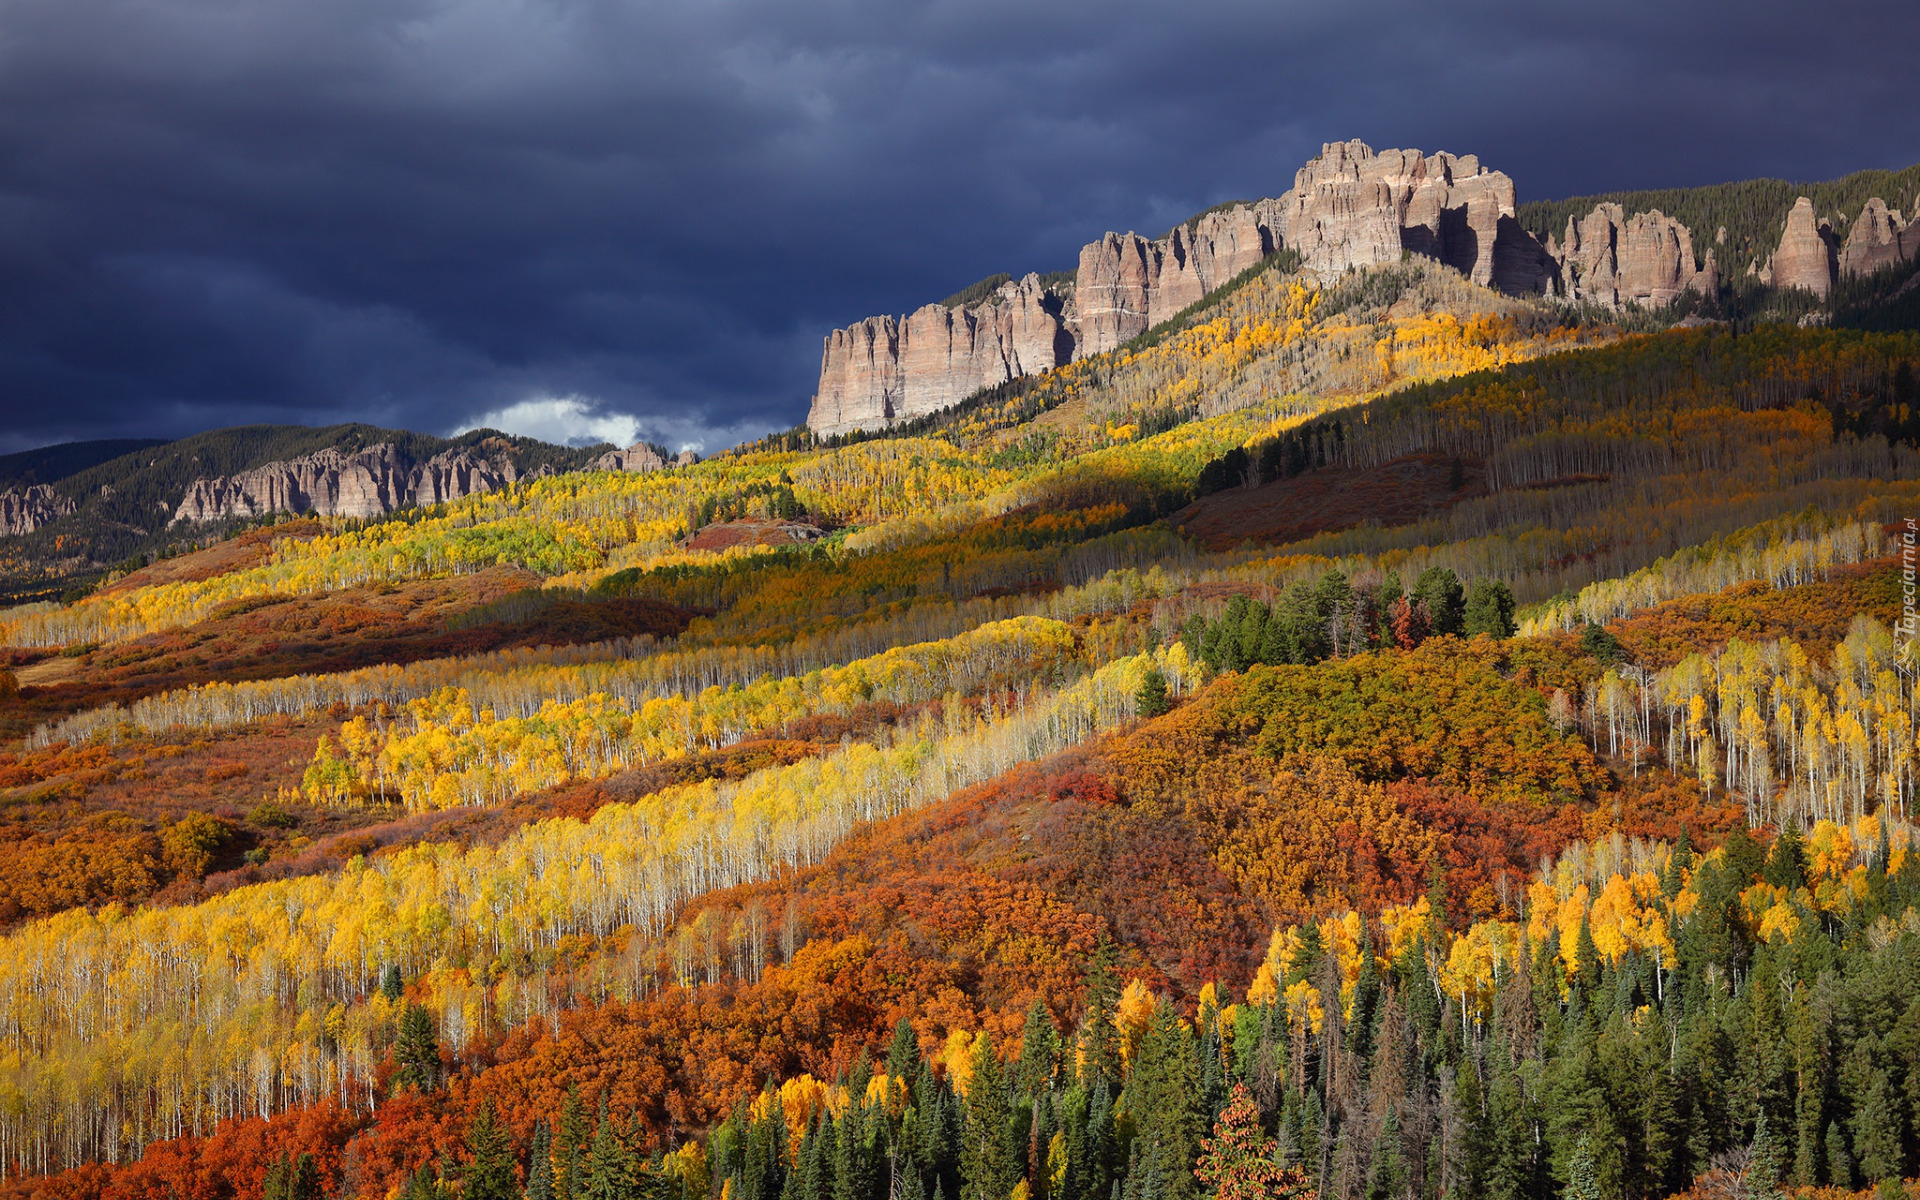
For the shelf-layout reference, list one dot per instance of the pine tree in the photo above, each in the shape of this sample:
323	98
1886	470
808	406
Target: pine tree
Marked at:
1489	610
1763	1163
1600	645
417	1050
390	984
1100	1143
1039	1045
1163	1094
1238	1161
540	1164
817	1153
1582	1180
1876	1130
489	1170
903	1055
852	1172
1586	957
1387	1169
1787	862
571	1147
1438	588
989	1164
609	1171
424	1184
291	1178
1100	1051
1151	699
1039	1144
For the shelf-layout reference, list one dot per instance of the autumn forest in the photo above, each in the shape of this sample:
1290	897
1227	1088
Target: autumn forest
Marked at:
1370	739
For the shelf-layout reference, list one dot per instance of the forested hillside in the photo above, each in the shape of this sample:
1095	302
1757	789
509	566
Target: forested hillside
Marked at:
122	495
1373	739
1751	211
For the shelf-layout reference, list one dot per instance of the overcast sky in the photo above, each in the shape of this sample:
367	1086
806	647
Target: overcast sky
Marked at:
619	219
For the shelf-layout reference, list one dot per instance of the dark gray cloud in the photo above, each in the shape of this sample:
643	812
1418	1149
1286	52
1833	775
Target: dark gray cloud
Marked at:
646	215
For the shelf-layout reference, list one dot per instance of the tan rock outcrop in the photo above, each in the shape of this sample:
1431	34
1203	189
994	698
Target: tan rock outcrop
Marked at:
637	457
1612	259
887	369
1878	239
1350	207
370	483
1353	207
1126	284
26	511
641	457
1806	257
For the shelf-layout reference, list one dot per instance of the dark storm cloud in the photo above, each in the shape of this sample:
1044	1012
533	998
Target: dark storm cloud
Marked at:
416	213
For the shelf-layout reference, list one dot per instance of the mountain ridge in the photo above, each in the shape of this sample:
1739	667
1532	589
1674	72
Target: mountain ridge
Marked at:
1354	207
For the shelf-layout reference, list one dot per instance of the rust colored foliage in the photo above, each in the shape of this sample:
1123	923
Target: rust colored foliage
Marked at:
1817	615
229	1164
1237	1162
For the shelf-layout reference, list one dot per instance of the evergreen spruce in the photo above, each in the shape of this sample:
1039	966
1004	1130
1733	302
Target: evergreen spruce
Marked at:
609	1167
1582	1180
571	1150
1163	1094
1039	1048
1787	861
1438	588
903	1055
417	1051
1151	699
1489	610
1099	1040
989	1163
423	1184
540	1164
488	1174
1100	1143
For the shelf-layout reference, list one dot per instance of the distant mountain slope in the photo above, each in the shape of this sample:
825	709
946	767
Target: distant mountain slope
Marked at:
124	508
1752	211
1664	255
49	464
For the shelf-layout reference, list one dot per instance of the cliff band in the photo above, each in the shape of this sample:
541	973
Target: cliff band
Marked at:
1350	208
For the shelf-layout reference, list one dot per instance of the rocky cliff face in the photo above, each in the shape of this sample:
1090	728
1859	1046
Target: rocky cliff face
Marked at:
888	369
641	457
1811	255
1612	259
26	511
1350	208
1878	239
1807	254
1126	284
371	483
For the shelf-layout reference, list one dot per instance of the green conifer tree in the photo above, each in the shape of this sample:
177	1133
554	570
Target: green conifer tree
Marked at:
1163	1093
609	1167
540	1164
1489	609
989	1163
417	1051
1151	699
1039	1050
489	1171
1439	589
1582	1179
1099	1040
